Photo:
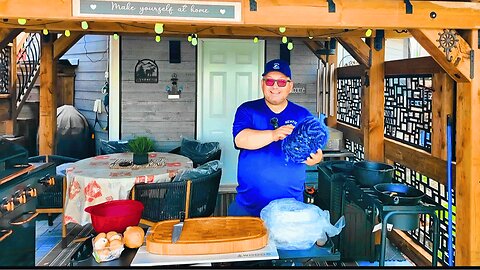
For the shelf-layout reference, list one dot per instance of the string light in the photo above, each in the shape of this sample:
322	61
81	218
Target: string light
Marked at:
290	45
45	31
195	40
159	28
158	38
255	40
189	38
310	37
84	25
22	21
282	29
368	33
67	33
284	39
115	36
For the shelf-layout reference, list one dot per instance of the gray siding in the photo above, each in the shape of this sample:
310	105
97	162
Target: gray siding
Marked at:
92	53
145	107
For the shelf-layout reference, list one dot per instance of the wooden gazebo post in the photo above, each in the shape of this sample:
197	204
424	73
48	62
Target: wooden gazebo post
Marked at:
373	99
48	103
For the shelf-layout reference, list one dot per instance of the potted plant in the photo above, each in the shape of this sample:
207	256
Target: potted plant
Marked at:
140	146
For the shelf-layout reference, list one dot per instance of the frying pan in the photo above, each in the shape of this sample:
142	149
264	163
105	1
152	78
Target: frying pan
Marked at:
398	194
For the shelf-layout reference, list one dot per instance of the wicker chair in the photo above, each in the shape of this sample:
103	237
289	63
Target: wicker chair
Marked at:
164	201
189	148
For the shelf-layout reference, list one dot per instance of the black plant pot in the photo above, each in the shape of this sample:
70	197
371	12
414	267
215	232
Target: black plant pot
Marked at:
140	159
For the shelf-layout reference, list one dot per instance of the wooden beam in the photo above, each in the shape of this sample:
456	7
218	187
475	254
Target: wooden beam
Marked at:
48	105
458	67
442	105
376	14
467	246
418	65
357	49
373	100
64	43
314	47
332	61
356	71
7	35
351	133
418	160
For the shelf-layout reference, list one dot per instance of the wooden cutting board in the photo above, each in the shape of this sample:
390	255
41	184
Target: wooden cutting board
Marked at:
210	235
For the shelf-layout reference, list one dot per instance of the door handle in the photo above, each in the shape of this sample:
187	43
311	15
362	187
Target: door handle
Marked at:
6	233
21	222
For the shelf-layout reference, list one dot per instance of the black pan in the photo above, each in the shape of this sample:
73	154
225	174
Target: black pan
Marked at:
398	194
341	166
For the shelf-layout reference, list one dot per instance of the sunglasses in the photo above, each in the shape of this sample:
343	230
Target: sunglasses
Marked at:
280	83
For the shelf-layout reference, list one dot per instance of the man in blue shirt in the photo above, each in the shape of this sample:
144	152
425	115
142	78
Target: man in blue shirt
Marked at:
258	130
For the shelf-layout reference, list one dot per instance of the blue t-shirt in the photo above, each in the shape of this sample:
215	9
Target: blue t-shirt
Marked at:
263	174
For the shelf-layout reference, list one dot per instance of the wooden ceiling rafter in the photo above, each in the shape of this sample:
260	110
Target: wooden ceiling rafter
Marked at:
456	61
357	48
64	43
7	35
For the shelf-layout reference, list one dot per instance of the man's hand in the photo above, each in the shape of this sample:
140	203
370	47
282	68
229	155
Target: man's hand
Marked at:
282	132
314	158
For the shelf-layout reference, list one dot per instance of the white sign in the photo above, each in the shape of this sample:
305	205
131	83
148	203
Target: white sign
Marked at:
161	9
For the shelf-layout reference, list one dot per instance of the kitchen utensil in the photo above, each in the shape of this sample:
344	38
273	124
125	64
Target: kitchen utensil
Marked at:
177	228
341	166
115	215
210	235
370	173
398	194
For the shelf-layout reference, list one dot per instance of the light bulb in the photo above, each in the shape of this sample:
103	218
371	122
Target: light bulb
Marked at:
194	41
67	33
284	39
84	25
310	37
158	38
255	40
282	29
159	28
368	33
22	21
189	38
115	36
290	46
45	31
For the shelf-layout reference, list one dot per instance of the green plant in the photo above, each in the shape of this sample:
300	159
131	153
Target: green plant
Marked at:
141	145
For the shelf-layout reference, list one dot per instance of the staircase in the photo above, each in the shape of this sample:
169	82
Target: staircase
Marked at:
19	105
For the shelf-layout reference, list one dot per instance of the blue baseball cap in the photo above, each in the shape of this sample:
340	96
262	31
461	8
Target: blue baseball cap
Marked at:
278	65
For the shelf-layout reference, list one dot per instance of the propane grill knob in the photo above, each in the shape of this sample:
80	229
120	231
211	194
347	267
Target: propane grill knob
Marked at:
7	205
21	198
47	180
32	192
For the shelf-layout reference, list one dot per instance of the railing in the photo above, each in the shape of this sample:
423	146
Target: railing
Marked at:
409	87
5	70
28	64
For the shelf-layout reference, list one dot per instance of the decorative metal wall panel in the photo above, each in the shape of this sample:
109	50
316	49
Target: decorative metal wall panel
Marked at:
355	148
439	194
4	70
408	110
349	92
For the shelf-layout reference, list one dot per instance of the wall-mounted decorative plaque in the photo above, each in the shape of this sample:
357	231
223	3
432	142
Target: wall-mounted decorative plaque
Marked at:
146	71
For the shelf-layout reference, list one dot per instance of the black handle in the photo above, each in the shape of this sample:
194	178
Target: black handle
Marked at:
182	216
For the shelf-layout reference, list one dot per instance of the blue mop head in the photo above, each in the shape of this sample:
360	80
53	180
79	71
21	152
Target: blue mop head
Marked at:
309	135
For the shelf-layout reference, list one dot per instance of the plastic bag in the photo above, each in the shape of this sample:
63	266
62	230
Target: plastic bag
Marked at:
199	152
205	169
294	225
112	147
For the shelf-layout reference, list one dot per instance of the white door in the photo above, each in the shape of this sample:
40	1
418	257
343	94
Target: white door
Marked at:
229	74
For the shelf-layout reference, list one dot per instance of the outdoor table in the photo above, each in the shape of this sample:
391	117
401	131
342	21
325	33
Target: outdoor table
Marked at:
104	178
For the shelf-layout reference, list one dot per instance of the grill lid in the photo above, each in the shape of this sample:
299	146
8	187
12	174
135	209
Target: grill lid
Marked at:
12	155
